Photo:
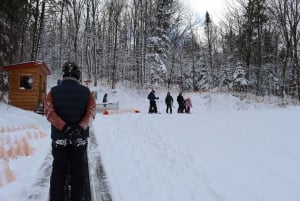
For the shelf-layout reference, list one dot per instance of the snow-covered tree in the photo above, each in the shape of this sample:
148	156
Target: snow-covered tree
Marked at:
158	43
239	79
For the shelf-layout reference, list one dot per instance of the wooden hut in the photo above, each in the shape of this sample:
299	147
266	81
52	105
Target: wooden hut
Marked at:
27	84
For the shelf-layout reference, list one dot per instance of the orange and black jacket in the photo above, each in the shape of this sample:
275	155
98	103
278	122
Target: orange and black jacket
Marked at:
69	103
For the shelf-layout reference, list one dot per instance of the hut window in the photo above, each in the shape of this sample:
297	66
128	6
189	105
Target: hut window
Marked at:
26	82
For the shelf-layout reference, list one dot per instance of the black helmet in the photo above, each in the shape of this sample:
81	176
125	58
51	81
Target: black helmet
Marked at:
71	69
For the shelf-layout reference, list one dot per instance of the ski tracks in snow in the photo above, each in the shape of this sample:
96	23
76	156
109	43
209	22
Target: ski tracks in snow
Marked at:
138	149
184	162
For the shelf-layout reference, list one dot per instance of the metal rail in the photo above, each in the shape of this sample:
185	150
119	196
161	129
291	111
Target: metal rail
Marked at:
100	190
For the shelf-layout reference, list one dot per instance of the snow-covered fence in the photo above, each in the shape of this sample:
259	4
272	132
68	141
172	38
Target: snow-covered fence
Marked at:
121	111
100	107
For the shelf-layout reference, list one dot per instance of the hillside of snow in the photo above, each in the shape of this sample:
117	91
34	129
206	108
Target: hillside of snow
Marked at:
229	149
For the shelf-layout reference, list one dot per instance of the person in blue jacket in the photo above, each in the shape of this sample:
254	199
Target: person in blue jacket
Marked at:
152	98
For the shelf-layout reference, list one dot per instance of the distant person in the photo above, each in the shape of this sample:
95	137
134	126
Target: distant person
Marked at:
180	101
104	99
69	107
169	102
188	105
152	98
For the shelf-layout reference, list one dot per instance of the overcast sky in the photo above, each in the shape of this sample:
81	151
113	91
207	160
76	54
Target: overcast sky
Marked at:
215	7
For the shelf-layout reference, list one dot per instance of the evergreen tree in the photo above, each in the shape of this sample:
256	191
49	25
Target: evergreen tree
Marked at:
159	42
12	15
239	79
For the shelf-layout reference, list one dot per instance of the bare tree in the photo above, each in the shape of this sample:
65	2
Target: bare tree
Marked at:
74	17
287	12
37	28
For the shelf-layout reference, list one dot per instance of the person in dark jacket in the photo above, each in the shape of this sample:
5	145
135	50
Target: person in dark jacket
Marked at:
104	99
169	102
69	107
152	98
180	101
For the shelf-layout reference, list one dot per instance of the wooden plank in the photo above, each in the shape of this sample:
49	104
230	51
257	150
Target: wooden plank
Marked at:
23	103
29	106
19	104
23	91
34	100
23	98
26	107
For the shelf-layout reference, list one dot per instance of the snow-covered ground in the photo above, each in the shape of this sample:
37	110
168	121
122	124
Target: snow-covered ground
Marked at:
226	150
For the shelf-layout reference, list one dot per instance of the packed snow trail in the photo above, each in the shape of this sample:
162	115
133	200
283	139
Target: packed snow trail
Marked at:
171	156
210	156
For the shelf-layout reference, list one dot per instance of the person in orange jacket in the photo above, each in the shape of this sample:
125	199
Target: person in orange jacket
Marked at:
69	107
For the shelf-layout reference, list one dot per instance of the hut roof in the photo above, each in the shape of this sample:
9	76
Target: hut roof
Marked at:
27	65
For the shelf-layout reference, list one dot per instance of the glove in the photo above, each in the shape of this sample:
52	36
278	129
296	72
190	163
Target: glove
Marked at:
73	132
67	129
157	97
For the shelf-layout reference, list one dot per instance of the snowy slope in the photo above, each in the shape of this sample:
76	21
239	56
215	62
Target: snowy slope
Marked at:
226	150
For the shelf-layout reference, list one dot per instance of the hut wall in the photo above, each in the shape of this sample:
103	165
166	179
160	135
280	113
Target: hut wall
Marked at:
20	96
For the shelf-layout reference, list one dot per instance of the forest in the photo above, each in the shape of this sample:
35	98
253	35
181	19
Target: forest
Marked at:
254	49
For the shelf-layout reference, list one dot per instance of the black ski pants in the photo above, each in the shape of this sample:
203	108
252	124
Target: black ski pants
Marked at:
65	157
169	107
181	108
152	107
